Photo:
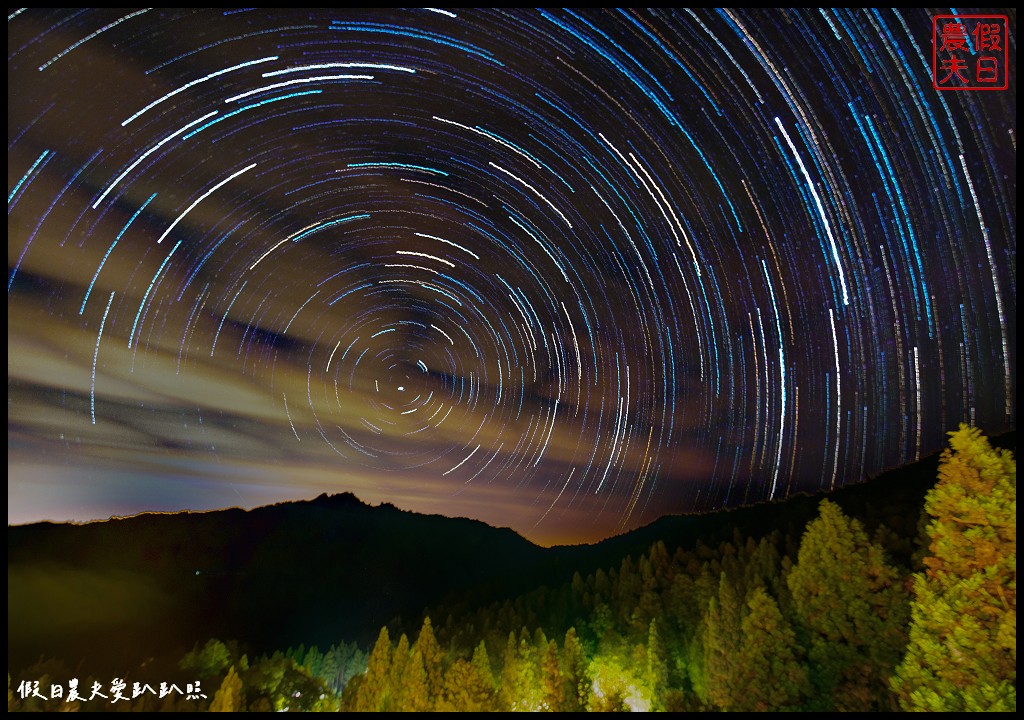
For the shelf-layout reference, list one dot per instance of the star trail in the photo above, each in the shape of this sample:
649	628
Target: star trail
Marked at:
560	270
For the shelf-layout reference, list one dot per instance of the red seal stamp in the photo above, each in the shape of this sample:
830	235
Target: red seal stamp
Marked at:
970	52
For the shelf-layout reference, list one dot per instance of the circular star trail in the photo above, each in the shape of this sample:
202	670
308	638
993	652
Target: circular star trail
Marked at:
561	270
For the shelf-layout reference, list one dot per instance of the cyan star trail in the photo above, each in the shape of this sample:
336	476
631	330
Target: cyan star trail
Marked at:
560	270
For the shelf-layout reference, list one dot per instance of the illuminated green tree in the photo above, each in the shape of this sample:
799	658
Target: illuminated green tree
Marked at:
373	688
853	608
551	679
414	695
482	664
507	700
465	689
617	685
433	659
721	642
341	663
350	693
213	659
278	683
228	697
769	675
395	697
657	667
575	677
519	687
962	654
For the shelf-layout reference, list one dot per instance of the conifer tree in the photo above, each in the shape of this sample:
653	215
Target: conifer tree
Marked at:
433	659
576	692
528	679
519	688
415	696
851	604
602	586
350	693
482	664
465	689
615	686
657	667
213	659
507	699
228	697
649	603
278	683
540	644
683	609
579	592
769	673
661	563
397	685
762	565
626	593
551	677
962	653
375	683
722	644
313	660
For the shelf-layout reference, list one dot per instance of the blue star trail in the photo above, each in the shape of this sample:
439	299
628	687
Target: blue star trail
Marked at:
564	271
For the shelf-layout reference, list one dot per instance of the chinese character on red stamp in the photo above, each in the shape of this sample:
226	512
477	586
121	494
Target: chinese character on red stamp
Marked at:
970	52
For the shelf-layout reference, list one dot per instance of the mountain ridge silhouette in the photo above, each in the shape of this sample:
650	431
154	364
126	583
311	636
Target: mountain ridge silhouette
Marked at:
111	593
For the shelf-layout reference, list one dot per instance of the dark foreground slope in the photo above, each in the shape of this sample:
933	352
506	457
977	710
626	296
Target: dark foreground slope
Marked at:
313	572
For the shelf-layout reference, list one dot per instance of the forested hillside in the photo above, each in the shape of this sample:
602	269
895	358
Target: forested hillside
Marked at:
842	614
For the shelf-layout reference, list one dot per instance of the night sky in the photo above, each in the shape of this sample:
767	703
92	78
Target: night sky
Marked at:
562	271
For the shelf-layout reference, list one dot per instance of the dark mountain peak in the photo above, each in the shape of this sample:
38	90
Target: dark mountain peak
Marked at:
344	499
325	569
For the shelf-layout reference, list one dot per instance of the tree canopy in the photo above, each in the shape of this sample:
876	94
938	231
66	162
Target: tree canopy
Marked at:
962	651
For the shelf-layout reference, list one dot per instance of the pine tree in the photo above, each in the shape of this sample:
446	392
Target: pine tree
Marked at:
415	696
433	659
507	698
626	592
722	644
576	689
551	678
648	607
519	689
312	660
852	606
682	608
657	667
465	689
396	699
769	673
213	659
762	565
615	686
962	653
579	591
482	664
228	697
375	683
350	693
